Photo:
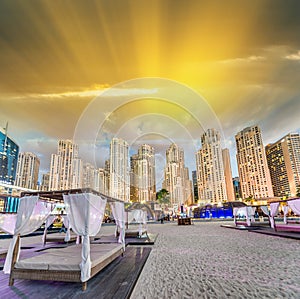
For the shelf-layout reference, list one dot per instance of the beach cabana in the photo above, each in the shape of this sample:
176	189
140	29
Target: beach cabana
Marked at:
76	263
138	216
59	237
244	215
292	226
31	215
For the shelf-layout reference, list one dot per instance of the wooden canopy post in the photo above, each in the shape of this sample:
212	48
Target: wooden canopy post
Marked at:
14	260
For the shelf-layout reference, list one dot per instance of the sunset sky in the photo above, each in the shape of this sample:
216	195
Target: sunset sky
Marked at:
239	60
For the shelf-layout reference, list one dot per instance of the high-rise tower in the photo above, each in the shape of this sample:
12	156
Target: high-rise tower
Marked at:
210	169
253	169
27	170
228	174
283	159
119	169
176	177
62	166
142	175
9	152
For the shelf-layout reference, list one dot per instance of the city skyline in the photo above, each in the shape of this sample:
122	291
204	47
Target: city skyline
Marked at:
242	58
215	181
81	164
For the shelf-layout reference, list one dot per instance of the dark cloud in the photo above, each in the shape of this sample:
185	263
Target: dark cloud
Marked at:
234	51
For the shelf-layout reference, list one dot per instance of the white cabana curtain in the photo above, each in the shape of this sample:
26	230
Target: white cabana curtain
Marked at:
285	212
118	212
252	213
249	215
8	223
274	208
235	212
144	221
265	210
31	215
295	206
85	212
66	222
48	222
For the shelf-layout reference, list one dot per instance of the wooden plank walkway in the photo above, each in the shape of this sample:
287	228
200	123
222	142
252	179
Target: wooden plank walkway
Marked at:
117	280
128	240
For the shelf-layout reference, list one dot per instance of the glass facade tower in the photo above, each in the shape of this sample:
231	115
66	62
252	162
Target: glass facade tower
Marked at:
9	151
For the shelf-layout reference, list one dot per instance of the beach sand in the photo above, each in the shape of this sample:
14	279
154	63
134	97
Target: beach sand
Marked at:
205	260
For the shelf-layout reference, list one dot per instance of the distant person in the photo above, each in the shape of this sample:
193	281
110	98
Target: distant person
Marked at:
63	229
61	219
162	218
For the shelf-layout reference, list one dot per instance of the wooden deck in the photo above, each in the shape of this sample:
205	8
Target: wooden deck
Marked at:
117	280
282	234
128	240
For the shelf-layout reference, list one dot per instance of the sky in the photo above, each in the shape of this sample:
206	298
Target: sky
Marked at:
152	72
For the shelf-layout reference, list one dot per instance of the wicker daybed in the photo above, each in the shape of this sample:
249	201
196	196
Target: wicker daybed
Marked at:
287	227
85	210
138	216
3	252
63	264
135	233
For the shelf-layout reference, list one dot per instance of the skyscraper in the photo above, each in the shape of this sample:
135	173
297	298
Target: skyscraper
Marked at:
102	181
45	182
61	167
119	170
77	173
195	184
89	175
142	174
228	174
54	174
237	188
283	159
9	152
210	169
176	179
27	170
253	169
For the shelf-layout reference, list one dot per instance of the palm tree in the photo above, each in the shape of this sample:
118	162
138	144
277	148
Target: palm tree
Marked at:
249	199
163	196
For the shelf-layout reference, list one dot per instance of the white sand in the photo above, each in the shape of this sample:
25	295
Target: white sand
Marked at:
205	260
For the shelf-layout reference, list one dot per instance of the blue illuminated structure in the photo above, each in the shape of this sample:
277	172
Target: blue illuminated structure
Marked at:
9	152
11	204
217	212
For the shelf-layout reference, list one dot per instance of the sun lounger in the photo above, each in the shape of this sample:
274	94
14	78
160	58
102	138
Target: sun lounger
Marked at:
59	238
241	223
135	233
64	264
